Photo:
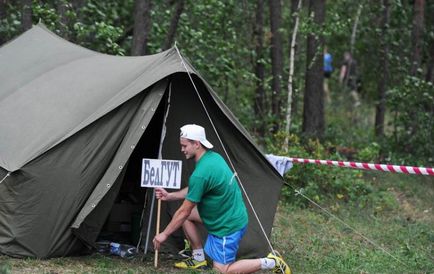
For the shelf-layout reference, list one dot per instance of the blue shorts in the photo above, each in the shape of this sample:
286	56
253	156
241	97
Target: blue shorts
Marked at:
223	250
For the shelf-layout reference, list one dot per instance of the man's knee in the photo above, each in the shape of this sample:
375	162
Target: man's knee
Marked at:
194	216
222	268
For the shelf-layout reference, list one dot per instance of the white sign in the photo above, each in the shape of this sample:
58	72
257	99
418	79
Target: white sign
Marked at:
161	173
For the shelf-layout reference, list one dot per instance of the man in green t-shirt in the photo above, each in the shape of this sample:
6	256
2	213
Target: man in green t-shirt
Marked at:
212	198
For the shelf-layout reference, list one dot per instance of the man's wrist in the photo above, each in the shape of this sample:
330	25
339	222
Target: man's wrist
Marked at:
165	234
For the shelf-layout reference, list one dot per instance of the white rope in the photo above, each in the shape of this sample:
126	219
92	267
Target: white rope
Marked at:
232	178
227	155
4	178
299	192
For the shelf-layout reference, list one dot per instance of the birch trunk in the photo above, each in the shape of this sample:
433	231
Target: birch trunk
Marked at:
291	73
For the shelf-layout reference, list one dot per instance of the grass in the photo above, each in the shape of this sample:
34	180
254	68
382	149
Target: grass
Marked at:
311	241
317	243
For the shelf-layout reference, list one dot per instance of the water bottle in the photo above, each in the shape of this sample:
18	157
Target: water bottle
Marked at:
115	249
123	250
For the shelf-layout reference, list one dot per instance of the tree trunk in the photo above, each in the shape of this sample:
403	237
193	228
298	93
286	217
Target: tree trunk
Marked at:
313	112
415	58
174	24
291	73
2	17
26	14
384	68
294	5
295	96
77	5
142	24
430	68
62	8
430	65
260	98
276	62
354	32
416	36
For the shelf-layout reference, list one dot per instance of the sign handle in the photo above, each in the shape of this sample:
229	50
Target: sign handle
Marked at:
157	231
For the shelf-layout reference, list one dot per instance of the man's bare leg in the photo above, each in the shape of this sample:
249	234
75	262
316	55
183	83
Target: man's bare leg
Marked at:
191	230
271	262
241	266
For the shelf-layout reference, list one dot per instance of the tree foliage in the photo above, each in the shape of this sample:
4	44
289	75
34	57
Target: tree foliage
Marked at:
218	38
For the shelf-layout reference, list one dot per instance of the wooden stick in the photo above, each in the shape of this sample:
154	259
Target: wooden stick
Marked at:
157	231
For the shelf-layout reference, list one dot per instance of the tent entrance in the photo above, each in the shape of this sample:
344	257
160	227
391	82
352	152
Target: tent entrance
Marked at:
123	222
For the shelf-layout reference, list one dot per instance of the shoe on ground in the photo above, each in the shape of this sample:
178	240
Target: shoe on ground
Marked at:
281	266
191	263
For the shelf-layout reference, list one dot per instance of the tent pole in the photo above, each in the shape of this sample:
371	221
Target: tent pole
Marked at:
141	220
163	135
151	213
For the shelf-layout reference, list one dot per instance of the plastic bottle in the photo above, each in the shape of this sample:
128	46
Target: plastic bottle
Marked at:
115	249
123	250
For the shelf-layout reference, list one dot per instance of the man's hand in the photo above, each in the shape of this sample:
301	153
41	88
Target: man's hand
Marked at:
177	220
159	239
161	194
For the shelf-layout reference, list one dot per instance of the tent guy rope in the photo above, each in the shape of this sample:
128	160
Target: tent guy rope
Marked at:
368	166
300	192
226	153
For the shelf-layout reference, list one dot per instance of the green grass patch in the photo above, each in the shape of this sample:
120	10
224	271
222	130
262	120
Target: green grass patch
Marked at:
400	221
394	234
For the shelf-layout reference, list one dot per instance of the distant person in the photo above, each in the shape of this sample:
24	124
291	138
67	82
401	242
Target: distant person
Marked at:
348	76
328	69
212	198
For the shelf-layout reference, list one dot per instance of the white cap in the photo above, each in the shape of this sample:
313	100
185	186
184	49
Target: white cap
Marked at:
196	133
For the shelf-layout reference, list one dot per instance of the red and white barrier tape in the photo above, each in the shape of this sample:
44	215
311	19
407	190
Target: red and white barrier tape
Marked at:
389	168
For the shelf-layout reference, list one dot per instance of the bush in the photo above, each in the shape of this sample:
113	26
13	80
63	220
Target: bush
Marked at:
321	183
412	105
371	153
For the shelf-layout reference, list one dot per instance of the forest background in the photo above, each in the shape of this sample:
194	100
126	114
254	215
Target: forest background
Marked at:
265	61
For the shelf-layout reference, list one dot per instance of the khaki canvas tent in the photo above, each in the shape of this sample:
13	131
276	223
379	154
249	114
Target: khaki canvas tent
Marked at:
74	127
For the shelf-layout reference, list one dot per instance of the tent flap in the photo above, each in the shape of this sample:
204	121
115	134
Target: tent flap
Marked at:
136	129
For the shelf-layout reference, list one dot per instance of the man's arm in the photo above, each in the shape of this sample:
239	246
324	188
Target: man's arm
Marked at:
177	220
161	193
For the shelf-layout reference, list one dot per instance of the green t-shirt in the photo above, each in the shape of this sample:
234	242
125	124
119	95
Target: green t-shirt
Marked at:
215	190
